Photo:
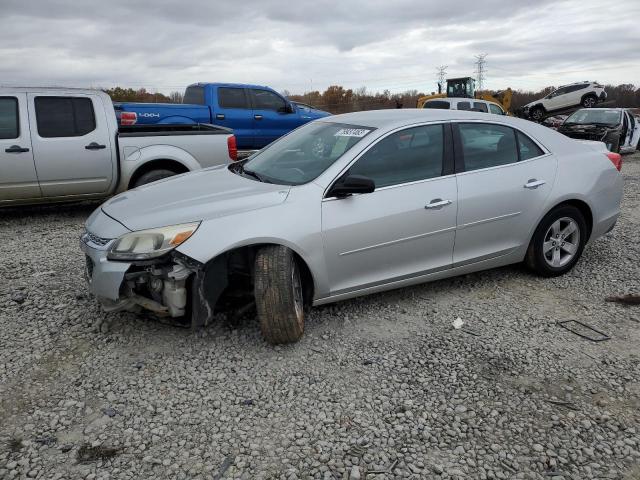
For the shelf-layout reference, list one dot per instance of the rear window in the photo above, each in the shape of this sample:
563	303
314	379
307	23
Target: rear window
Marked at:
439	104
232	98
194	95
481	106
64	116
9	124
528	148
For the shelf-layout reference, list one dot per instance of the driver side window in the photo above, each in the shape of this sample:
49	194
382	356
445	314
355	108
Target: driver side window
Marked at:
266	100
406	156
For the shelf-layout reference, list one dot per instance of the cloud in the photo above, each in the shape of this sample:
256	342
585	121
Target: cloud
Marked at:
164	45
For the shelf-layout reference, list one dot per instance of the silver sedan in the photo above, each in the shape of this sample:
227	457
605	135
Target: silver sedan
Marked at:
352	205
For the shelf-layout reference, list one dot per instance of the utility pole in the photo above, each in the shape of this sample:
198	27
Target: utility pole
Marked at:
442	73
481	69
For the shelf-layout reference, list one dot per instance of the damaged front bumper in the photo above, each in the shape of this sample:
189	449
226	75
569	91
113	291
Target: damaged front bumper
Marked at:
173	286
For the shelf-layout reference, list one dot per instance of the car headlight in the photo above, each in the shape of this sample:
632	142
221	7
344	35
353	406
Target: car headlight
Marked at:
152	243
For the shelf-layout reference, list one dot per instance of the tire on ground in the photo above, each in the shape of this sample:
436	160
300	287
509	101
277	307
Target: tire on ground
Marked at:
278	295
153	175
535	259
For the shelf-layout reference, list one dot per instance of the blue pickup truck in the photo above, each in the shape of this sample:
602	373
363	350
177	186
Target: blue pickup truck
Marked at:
257	115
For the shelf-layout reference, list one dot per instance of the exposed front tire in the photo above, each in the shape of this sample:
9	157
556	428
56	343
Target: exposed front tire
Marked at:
558	242
537	113
589	101
153	176
279	295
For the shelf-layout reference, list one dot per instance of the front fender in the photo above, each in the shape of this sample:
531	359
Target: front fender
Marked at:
295	224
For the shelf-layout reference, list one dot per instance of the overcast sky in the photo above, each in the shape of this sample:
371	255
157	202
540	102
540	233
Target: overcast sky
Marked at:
301	45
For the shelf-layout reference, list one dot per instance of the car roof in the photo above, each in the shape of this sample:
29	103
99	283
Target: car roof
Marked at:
459	99
404	116
236	85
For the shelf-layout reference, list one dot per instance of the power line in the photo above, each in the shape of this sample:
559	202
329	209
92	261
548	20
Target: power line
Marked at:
481	69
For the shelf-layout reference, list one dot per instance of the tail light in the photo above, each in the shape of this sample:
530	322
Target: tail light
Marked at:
616	159
233	148
128	118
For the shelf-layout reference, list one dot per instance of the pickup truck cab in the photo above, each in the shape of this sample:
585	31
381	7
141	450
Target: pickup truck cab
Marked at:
61	144
258	115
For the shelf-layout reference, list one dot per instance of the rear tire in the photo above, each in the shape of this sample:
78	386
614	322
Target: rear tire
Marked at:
558	242
589	101
537	113
153	176
279	295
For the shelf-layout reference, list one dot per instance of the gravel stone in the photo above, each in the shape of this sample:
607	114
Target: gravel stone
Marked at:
381	383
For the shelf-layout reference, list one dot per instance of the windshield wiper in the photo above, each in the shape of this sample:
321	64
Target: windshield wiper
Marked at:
239	168
255	175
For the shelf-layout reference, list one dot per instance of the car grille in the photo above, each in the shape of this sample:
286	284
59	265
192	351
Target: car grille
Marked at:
586	136
96	240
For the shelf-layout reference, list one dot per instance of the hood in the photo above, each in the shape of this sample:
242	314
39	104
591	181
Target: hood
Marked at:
308	112
586	128
201	195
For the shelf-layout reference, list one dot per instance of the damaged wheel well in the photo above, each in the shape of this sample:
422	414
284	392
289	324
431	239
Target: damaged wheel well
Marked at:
232	272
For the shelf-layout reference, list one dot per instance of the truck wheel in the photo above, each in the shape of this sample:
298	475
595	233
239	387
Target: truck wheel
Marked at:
558	242
537	113
589	101
153	175
278	295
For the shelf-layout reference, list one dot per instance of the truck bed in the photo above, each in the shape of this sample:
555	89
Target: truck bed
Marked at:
172	129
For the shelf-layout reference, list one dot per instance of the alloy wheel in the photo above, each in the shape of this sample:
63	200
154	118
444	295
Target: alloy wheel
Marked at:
561	242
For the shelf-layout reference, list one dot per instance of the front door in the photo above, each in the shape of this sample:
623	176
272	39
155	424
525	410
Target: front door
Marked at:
406	227
72	147
507	178
272	116
18	179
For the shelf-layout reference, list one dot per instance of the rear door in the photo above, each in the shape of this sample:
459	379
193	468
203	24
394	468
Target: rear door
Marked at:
18	179
406	227
505	177
271	116
234	111
72	147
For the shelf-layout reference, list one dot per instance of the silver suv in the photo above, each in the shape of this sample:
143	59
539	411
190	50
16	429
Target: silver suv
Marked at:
585	94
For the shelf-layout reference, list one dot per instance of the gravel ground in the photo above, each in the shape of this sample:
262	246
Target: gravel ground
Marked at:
379	387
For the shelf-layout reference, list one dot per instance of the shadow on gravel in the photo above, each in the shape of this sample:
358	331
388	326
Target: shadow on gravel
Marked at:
81	209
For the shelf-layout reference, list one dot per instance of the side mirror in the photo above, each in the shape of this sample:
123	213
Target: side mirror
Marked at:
352	184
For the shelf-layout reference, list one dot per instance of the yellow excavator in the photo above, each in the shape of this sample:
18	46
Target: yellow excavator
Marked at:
465	87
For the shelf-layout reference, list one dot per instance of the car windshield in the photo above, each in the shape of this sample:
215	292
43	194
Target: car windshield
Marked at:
587	116
304	154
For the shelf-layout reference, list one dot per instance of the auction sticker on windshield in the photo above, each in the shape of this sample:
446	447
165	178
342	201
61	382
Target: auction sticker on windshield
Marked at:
351	132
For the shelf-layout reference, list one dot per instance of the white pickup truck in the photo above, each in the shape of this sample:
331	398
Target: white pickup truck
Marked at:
61	144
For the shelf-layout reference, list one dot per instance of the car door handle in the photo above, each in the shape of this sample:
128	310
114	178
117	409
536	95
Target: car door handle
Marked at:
533	183
220	116
258	117
16	149
95	146
437	203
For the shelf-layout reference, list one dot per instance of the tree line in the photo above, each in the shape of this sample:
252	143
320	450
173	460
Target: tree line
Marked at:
337	99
